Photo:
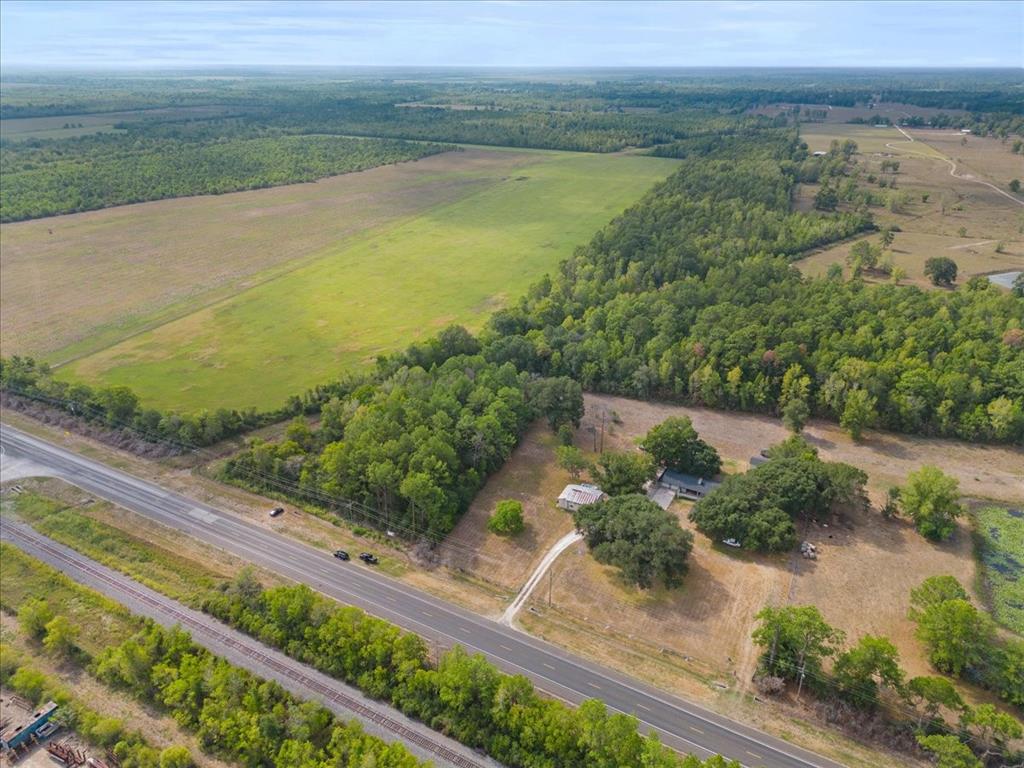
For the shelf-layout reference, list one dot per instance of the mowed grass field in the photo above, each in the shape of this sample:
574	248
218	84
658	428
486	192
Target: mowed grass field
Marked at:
79	283
454	263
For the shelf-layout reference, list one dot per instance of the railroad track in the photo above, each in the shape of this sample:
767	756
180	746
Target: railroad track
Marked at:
252	651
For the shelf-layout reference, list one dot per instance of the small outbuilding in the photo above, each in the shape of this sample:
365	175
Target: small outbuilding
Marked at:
686	486
21	732
575	496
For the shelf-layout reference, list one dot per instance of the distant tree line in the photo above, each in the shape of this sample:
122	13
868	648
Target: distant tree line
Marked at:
52	177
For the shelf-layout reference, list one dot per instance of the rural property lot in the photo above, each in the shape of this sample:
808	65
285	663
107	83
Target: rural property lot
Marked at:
992	240
370	294
861	581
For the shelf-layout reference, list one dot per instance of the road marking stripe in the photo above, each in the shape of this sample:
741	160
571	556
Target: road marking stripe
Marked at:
547	665
641	706
753	754
695	728
594	685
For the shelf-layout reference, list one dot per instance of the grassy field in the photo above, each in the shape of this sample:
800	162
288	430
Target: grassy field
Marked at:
100	621
19	128
169	571
1001	538
75	284
972	224
456	262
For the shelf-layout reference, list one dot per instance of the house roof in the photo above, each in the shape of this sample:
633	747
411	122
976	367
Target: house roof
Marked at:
581	494
681	478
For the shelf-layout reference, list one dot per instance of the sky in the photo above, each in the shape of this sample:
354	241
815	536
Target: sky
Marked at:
510	33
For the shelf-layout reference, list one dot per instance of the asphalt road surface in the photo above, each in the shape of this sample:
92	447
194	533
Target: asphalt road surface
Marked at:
680	724
243	651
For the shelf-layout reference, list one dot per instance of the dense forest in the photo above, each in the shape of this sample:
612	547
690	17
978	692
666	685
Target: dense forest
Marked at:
409	453
689	296
46	177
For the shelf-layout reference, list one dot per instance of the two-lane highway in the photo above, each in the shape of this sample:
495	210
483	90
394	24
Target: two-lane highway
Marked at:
680	724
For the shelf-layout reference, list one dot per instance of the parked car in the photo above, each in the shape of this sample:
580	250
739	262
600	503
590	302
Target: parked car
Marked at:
341	554
731	543
368	558
276	511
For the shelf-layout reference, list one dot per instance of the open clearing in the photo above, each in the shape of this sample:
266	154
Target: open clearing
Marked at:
378	292
532	477
987	218
67	126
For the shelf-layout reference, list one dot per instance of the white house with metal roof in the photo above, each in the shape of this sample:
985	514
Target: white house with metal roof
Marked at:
575	496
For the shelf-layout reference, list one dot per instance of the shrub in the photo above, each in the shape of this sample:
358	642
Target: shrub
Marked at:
507	519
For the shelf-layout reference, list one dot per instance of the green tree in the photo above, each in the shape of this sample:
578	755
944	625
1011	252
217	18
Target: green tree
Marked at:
929	694
633	533
930	499
572	460
559	400
859	671
1015	185
33	616
619	474
941	269
507	519
795	414
675	443
956	634
176	757
1005	416
992	728
826	199
60	636
794	639
949	751
935	590
858	412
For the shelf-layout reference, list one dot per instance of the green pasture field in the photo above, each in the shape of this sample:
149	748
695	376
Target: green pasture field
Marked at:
454	263
1000	534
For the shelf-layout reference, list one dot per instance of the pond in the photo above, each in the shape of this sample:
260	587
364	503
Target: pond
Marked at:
1004	279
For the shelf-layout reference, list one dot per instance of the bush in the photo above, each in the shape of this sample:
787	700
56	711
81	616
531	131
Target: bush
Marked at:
507	519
